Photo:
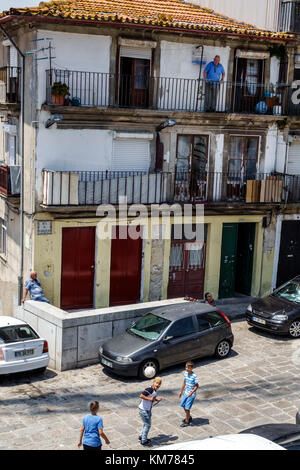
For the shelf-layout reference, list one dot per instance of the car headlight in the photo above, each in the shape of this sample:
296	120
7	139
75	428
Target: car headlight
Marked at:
123	359
249	308
100	350
280	316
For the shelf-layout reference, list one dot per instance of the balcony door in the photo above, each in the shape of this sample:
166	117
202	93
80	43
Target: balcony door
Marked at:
134	82
191	168
242	164
248	85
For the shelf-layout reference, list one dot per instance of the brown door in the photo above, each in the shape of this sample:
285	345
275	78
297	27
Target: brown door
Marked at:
134	82
77	271
125	271
187	269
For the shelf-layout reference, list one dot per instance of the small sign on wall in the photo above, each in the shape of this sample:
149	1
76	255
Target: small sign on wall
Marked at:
44	227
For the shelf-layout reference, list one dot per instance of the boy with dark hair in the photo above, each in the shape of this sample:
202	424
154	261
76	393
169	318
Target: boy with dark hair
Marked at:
190	385
148	397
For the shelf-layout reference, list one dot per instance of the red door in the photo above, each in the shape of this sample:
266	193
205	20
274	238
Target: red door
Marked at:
125	271
187	269
77	271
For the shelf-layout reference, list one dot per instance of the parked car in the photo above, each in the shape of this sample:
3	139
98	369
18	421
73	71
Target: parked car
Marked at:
278	312
286	435
226	442
21	348
169	335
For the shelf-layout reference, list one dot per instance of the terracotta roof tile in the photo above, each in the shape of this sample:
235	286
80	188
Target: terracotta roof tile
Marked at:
162	13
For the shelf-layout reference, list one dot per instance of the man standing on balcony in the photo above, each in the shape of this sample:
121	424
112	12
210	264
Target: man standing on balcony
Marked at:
214	74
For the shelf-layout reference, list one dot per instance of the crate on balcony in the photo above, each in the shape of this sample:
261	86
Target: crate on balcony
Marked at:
271	189
253	191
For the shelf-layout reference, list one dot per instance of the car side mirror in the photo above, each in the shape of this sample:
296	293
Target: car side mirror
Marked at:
167	339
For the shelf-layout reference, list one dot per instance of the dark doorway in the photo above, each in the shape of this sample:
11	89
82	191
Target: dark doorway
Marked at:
125	270
77	271
289	255
236	259
134	82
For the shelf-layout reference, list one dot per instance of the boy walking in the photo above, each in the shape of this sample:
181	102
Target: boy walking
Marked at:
190	385
145	409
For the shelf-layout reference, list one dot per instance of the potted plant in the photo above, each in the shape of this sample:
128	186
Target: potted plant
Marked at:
59	90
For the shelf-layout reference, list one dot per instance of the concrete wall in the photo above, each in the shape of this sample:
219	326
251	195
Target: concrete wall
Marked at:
74	338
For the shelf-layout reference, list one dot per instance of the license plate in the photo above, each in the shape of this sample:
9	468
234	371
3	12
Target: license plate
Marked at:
26	352
259	320
106	363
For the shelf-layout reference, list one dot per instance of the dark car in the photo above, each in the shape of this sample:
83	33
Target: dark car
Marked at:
169	335
286	435
278	312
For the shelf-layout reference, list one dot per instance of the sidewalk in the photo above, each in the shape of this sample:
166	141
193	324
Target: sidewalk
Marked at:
235	308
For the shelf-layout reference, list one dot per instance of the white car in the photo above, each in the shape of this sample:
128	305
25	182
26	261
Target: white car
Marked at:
21	348
226	442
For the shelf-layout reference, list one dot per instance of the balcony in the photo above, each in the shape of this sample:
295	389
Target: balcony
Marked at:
90	188
289	17
169	94
9	85
9	180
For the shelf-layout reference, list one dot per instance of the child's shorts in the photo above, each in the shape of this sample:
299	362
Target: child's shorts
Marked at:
187	402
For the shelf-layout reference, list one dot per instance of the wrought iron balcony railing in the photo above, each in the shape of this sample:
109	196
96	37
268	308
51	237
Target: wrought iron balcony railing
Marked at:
83	188
9	85
9	180
94	89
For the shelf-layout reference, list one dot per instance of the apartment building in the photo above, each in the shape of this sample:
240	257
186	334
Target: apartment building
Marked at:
138	123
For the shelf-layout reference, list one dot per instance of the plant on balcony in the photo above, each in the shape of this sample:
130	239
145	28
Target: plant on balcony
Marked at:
59	90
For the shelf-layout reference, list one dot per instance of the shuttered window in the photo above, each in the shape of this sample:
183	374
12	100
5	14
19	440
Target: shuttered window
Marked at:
131	155
293	165
136	52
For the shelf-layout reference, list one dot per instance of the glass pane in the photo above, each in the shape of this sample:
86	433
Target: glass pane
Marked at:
251	148
182	328
183	153
196	257
149	327
203	323
250	167
215	319
176	256
235	166
10	334
289	291
141	78
236	146
199	154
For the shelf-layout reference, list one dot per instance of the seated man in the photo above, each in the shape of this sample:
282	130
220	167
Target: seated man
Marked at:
33	286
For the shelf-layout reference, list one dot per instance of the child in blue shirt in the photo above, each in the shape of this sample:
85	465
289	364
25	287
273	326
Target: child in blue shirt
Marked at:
92	429
190	385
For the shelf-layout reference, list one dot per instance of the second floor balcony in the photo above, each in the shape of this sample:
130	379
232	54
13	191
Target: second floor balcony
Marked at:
9	85
289	16
9	180
93	89
93	188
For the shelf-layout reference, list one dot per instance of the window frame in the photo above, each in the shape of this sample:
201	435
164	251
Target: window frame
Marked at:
3	236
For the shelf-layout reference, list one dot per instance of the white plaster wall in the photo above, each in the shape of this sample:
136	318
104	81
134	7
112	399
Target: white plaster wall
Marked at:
281	154
274	69
271	149
262	13
72	51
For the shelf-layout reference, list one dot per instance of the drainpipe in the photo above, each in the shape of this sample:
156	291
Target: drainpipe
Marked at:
22	57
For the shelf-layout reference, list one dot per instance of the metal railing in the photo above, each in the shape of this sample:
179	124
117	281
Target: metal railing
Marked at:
95	89
106	187
10	84
289	16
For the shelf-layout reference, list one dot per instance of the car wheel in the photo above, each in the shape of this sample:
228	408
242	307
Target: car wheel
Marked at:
148	363
294	329
223	349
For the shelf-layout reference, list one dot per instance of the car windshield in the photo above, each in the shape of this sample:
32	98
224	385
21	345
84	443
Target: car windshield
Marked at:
12	334
149	327
289	291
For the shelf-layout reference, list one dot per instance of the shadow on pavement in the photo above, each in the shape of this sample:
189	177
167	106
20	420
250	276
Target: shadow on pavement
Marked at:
21	378
163	439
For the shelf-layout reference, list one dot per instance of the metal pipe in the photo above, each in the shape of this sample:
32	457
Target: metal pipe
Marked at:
22	56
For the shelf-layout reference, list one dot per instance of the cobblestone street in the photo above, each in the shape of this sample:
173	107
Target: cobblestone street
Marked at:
259	383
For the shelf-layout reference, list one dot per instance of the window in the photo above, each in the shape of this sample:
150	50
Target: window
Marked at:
3	236
11	334
243	155
210	320
149	327
182	327
203	323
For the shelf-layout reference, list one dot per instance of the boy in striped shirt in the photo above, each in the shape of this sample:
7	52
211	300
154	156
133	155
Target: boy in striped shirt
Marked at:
190	385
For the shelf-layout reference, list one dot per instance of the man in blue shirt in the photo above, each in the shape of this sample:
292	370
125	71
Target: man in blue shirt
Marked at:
33	286
214	74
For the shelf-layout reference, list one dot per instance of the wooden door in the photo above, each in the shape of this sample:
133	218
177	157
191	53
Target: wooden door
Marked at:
125	270
228	261
187	269
78	267
289	255
244	264
134	82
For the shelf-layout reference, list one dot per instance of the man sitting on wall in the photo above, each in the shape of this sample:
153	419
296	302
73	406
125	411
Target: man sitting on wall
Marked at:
33	286
214	74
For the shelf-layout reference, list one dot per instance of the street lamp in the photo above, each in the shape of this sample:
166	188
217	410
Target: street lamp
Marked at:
51	121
